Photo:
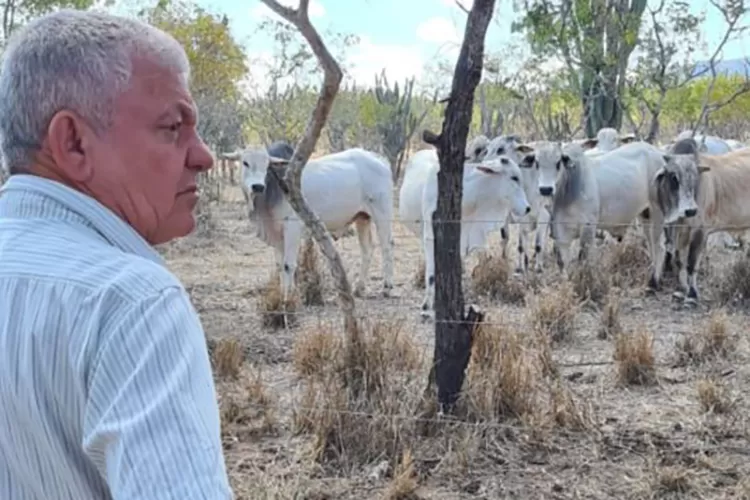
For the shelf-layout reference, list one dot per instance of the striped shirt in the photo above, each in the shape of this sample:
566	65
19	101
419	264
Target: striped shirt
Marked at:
105	383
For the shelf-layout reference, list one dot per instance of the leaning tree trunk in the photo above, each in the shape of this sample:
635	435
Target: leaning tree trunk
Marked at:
291	185
453	328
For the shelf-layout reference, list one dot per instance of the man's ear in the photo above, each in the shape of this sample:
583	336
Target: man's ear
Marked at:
67	141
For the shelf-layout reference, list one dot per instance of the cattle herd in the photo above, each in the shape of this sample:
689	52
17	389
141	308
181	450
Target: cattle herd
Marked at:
677	194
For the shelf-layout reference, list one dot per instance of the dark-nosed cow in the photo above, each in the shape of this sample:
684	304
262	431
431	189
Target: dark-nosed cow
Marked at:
608	191
351	186
699	194
538	217
491	189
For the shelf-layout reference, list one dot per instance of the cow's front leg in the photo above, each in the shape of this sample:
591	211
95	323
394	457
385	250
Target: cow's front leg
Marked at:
292	237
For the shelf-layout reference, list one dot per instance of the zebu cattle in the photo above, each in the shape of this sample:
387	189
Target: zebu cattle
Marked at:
278	149
491	189
476	149
608	191
735	145
700	194
709	144
607	139
351	186
537	219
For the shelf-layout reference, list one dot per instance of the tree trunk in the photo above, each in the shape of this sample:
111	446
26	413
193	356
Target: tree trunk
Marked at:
454	329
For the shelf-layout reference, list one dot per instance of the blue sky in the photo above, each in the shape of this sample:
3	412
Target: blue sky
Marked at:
405	35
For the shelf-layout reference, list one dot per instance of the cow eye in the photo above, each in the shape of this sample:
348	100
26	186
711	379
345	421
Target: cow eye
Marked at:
245	163
674	183
515	178
500	151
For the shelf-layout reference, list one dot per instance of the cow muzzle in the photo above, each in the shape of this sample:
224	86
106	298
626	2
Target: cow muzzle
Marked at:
691	212
546	190
257	188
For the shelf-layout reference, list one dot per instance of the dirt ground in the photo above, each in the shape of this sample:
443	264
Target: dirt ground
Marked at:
589	427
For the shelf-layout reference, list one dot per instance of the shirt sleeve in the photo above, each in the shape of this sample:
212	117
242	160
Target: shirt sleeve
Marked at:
151	419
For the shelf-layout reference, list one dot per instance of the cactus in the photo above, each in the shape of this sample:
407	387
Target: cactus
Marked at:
397	123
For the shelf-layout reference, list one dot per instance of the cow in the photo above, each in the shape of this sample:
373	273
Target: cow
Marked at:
277	149
353	186
707	144
491	189
607	139
538	217
608	191
698	194
476	149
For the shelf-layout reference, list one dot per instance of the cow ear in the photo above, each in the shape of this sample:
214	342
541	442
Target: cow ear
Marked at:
627	139
524	148
659	174
667	158
590	143
703	169
565	160
230	156
528	161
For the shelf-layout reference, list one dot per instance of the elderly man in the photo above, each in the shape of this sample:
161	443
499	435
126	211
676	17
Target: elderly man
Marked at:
105	383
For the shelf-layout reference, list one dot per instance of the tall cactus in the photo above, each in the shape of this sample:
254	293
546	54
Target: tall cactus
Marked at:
396	123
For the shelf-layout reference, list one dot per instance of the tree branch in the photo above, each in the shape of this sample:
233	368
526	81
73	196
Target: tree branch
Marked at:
291	185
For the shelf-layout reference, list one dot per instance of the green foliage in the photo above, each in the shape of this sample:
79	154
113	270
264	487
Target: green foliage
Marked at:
18	12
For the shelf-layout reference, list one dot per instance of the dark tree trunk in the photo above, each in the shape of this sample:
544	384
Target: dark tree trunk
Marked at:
454	329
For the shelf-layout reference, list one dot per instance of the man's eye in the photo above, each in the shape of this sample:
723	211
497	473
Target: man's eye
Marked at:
175	127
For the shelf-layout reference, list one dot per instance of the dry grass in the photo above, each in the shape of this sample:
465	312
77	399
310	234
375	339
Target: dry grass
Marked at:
732	284
711	340
672	480
227	357
274	310
610	317
713	396
634	356
627	262
591	283
404	484
553	311
492	278
309	279
511	377
351	430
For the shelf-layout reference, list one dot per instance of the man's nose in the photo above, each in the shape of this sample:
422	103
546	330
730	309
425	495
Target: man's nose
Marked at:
200	157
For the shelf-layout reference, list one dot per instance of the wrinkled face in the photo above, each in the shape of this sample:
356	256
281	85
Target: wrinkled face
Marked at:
511	190
145	165
676	186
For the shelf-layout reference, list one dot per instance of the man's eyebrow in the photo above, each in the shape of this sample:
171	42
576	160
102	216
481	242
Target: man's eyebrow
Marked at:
184	110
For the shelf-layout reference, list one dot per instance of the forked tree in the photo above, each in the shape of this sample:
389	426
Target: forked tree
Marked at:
291	183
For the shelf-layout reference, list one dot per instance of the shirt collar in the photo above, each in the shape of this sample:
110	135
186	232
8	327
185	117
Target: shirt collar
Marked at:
33	197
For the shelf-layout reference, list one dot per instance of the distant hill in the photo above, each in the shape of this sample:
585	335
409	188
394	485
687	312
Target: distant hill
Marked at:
728	67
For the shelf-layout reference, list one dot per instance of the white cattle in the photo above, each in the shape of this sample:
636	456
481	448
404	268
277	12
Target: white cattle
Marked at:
697	195
608	191
351	186
476	149
607	139
707	144
491	189
735	145
537	219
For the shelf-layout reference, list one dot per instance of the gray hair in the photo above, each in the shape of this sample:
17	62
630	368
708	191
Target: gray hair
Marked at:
76	60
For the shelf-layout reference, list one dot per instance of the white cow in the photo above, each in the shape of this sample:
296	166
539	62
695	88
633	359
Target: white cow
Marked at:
608	191
351	186
607	139
707	144
537	219
491	189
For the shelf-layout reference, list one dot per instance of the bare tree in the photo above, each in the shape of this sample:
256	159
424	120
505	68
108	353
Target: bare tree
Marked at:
453	327
733	12
291	184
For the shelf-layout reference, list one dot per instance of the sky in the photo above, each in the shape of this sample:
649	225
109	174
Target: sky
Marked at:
405	36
